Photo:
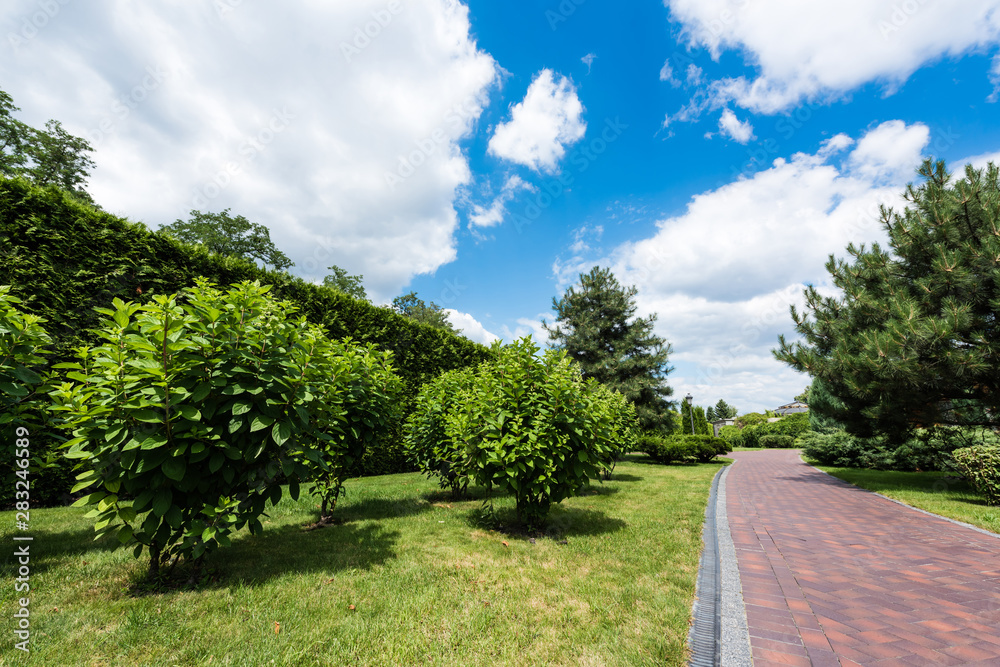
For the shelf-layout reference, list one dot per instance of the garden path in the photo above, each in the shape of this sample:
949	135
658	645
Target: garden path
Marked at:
836	575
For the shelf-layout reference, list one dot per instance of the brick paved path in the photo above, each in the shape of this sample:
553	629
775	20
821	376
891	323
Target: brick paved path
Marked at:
832	574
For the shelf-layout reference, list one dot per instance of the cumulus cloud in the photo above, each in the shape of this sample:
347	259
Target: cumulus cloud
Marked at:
732	127
493	214
470	327
337	125
667	74
542	125
526	326
806	50
995	78
722	273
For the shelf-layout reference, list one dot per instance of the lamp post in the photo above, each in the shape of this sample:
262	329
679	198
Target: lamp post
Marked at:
690	398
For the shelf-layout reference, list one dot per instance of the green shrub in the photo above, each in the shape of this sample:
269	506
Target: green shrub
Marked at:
531	426
428	443
774	441
624	423
63	258
980	464
929	449
682	448
198	406
23	410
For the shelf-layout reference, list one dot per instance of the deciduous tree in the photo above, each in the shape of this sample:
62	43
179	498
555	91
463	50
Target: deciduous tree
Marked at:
229	235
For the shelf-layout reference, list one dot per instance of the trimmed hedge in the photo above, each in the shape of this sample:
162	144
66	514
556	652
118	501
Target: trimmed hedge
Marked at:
682	448
793	425
929	449
62	258
774	441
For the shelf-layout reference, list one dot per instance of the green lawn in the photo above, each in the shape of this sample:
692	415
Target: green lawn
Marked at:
931	491
429	583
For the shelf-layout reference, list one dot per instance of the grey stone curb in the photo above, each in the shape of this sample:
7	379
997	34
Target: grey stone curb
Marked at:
735	634
719	634
910	507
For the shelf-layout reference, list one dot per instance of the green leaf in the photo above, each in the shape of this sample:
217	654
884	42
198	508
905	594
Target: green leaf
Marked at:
281	432
27	375
218	458
241	407
201	392
161	502
91	499
260	422
174	468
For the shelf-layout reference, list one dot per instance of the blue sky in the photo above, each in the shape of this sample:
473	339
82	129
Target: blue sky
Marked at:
713	153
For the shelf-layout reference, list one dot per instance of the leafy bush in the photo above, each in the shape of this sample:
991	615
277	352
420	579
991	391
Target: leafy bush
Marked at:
929	449
529	425
23	401
624	423
980	464
197	406
757	427
428	443
774	441
682	448
63	259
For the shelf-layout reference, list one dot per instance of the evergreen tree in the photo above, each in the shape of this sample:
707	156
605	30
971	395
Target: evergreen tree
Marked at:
701	425
687	423
804	396
914	340
596	325
721	410
824	408
228	235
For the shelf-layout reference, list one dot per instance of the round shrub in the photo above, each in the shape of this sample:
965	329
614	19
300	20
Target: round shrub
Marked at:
980	464
774	441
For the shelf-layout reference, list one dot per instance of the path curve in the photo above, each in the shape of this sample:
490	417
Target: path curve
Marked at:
835	575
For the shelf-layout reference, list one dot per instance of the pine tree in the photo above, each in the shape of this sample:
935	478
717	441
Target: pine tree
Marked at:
701	426
914	340
722	410
596	325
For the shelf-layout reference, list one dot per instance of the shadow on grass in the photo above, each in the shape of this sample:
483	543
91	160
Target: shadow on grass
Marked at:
561	523
472	493
379	508
624	477
47	548
940	484
598	489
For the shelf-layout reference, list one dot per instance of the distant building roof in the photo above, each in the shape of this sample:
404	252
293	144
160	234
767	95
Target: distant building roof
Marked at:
792	408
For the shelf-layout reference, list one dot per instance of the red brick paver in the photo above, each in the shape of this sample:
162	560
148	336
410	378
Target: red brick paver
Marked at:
834	575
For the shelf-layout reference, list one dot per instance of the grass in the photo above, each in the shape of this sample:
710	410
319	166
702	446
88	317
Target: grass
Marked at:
935	492
429	582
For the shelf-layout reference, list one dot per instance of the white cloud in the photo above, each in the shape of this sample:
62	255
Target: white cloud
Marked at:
694	74
542	125
528	326
977	161
470	327
722	273
732	127
805	50
493	214
995	78
291	115
588	60
667	74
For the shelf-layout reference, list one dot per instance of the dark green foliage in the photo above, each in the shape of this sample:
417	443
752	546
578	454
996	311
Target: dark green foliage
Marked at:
428	443
822	407
775	441
23	401
51	156
721	410
232	236
981	466
804	396
433	315
199	405
756	426
63	258
926	449
913	342
526	424
352	286
682	448
596	325
701	425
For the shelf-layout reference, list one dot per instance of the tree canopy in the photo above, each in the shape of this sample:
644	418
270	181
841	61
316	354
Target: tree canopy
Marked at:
596	325
914	339
721	410
414	308
51	156
229	235
349	285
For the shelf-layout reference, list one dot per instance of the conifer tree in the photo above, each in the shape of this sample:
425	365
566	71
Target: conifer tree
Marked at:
914	340
596	324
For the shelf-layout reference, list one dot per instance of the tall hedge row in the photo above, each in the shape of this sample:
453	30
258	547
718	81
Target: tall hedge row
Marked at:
62	258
